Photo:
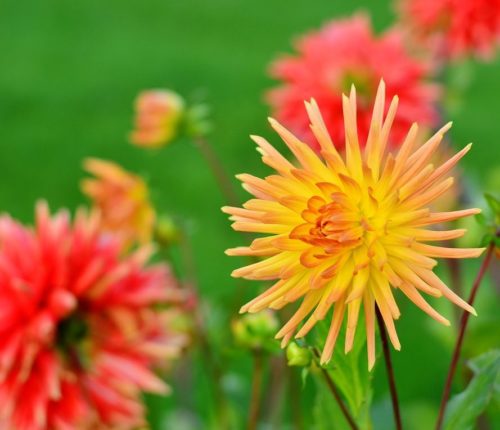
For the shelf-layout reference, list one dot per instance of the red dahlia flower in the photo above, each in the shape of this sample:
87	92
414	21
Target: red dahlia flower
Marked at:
456	27
343	53
78	331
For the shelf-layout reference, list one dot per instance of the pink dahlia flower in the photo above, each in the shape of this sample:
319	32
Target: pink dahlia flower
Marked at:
80	328
455	27
343	53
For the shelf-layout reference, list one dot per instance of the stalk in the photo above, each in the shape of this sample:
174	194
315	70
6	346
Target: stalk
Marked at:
461	333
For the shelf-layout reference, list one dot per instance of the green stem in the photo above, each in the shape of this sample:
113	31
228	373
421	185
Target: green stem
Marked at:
218	170
461	335
213	369
335	393
255	401
390	372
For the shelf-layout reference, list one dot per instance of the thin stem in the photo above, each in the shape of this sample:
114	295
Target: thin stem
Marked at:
255	401
272	398
226	187
461	334
213	368
335	393
218	170
294	391
390	371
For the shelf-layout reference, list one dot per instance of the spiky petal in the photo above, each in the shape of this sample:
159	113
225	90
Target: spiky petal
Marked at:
342	233
79	333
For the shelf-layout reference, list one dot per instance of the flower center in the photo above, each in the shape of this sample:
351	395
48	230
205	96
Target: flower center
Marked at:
72	332
335	227
363	82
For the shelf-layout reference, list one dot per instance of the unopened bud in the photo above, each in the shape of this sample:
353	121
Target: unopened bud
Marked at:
255	331
297	355
158	118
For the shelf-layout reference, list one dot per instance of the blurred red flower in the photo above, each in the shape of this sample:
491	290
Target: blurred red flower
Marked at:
455	27
78	332
343	53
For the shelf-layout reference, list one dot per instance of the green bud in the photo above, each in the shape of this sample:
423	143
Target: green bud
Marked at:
166	232
255	331
298	356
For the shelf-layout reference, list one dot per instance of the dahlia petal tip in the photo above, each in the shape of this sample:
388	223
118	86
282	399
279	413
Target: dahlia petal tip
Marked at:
236	273
325	358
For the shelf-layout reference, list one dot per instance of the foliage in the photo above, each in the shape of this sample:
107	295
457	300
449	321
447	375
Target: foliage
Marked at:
350	374
464	409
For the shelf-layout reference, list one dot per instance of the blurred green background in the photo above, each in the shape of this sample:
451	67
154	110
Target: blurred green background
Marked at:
69	74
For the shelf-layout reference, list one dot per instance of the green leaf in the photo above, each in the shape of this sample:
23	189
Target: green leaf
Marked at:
493	202
481	219
487	239
464	408
326	413
303	375
350	372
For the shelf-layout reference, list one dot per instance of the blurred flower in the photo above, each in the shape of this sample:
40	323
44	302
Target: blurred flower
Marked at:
158	118
455	27
343	53
79	334
123	200
256	331
343	231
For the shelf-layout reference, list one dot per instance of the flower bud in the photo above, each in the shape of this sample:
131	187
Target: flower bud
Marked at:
255	331
158	118
298	356
166	232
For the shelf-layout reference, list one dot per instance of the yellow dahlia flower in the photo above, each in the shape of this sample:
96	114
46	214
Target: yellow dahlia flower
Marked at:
344	232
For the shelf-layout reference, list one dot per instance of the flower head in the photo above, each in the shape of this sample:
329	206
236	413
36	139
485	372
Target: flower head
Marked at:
158	117
79	334
457	27
344	234
122	199
347	52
